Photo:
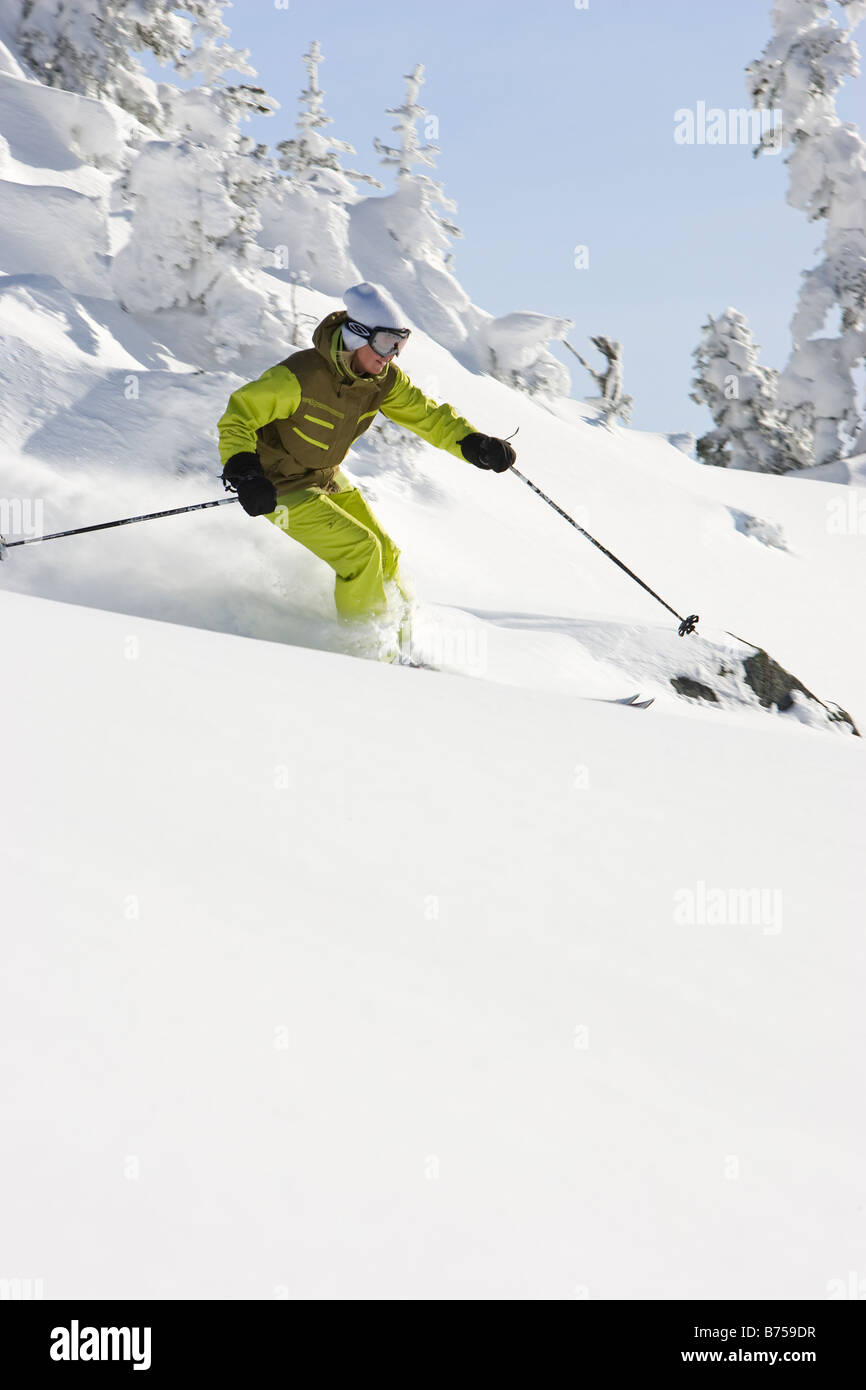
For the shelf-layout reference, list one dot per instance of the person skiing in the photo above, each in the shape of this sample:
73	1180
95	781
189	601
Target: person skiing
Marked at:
284	436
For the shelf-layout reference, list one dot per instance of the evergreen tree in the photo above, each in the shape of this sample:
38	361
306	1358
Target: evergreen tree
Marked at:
799	73
614	403
195	199
750	431
401	241
313	157
410	152
89	46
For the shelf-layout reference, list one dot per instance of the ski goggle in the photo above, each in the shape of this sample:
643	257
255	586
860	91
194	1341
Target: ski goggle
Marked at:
384	341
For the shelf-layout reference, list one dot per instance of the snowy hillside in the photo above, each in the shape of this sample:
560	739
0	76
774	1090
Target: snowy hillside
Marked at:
106	414
335	979
762	557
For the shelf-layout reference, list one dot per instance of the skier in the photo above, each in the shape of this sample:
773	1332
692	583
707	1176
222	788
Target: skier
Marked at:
283	437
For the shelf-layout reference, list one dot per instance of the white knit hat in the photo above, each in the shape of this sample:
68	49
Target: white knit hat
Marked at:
372	306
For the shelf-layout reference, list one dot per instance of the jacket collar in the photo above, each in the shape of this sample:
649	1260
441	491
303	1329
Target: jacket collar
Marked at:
328	342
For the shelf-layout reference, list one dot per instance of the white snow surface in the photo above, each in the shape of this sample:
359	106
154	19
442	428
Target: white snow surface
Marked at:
351	981
329	979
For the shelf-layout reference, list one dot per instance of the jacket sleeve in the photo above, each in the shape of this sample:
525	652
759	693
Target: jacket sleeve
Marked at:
406	405
274	396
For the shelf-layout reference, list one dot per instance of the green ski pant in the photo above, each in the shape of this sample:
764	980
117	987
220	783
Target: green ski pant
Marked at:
340	528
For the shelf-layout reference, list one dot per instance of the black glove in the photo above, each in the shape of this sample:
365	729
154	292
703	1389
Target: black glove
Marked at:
244	475
486	452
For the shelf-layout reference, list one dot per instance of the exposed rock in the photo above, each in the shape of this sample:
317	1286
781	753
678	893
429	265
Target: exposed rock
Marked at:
684	685
776	689
773	685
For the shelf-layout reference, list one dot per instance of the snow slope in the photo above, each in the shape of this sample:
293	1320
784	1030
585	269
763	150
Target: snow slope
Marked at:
329	979
105	414
326	979
100	423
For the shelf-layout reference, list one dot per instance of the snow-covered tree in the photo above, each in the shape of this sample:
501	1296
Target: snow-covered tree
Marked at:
306	237
613	401
312	156
195	202
192	247
305	222
211	116
402	241
209	57
85	48
208	54
750	432
519	356
410	152
89	46
798	74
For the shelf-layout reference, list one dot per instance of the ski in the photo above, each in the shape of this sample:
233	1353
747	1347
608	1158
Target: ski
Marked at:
633	701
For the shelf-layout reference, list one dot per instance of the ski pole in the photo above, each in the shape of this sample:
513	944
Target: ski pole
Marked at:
686	626
106	525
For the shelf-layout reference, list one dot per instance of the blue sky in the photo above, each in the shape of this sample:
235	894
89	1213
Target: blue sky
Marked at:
556	130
